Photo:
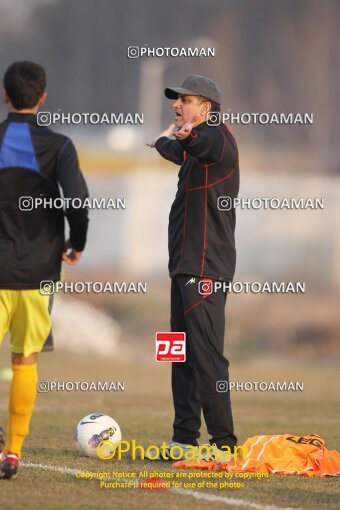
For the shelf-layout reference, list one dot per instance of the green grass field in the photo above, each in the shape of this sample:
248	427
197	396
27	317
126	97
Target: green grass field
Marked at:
144	412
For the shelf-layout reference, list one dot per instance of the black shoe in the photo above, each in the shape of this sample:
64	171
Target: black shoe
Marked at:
9	466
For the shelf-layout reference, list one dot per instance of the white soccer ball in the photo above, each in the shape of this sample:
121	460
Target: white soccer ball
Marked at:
92	430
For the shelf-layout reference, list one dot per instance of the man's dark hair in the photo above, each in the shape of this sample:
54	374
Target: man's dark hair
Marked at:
25	83
215	107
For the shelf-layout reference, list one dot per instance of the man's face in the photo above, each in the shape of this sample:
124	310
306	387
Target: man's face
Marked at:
187	107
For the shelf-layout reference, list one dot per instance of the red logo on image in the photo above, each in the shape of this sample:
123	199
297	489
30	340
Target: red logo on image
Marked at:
170	346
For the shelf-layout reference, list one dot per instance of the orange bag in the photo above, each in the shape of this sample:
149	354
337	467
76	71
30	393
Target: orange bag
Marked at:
283	454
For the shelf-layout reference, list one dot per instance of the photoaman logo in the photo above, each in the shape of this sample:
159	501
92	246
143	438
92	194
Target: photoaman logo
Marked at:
106	450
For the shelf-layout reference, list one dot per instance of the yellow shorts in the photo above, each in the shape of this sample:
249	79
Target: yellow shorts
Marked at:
26	315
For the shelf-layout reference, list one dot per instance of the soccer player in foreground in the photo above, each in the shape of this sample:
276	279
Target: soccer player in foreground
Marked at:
34	162
202	251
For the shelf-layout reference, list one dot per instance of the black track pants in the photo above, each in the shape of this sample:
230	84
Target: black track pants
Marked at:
194	381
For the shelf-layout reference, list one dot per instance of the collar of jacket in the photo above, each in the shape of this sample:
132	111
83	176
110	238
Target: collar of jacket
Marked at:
21	117
200	126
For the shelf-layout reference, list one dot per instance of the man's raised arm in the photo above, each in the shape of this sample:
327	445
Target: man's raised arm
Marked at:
167	148
205	146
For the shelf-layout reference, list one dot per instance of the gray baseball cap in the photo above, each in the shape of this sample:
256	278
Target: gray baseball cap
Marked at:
196	85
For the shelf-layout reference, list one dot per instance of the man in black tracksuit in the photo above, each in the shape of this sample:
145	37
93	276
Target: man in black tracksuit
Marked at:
201	250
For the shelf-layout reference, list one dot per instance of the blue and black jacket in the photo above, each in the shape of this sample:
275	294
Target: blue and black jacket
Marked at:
36	163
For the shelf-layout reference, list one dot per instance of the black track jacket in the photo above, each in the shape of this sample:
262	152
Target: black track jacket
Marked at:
201	237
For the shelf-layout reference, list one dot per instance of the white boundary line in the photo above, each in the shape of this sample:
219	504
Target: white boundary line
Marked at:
228	501
182	492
